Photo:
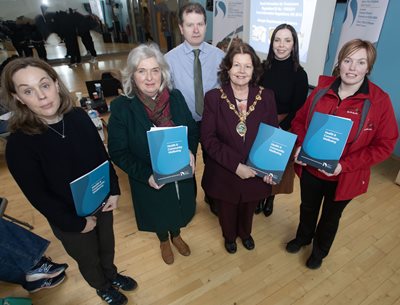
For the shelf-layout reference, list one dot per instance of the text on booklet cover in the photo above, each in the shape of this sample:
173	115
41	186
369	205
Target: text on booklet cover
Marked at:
270	152
325	140
169	153
91	190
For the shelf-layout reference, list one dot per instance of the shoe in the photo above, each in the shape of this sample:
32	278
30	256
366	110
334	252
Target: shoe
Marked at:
248	243
45	269
166	252
260	206
313	262
231	247
294	246
93	60
112	296
44	283
269	206
125	283
182	247
73	66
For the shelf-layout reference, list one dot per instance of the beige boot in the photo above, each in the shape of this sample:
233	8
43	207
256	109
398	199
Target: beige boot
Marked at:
182	247
166	252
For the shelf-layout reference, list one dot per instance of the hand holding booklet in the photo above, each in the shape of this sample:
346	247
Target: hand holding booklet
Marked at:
324	141
270	152
169	154
91	190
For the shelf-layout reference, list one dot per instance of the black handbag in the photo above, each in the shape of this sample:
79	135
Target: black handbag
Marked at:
99	105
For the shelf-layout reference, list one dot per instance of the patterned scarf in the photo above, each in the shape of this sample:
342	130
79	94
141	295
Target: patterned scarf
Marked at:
158	109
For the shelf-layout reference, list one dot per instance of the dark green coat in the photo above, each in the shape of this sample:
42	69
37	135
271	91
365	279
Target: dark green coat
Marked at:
155	210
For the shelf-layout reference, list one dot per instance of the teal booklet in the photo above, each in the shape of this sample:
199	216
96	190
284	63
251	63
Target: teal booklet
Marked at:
270	152
169	153
91	190
324	141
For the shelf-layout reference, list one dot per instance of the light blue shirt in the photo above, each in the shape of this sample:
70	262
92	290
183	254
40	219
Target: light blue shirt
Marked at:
180	60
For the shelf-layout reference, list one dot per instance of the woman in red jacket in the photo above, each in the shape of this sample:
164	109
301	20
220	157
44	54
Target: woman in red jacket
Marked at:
346	93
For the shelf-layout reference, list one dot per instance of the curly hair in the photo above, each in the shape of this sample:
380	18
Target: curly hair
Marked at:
141	52
239	47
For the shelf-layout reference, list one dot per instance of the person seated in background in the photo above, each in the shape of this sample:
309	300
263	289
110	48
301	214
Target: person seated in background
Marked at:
150	101
348	94
232	115
22	259
51	144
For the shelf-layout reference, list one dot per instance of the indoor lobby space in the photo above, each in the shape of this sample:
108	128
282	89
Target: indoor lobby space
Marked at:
362	268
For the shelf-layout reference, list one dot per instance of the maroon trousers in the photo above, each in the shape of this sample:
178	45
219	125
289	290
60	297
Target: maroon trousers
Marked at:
236	220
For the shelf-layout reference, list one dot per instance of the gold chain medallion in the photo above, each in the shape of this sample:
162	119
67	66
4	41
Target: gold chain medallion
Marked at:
241	127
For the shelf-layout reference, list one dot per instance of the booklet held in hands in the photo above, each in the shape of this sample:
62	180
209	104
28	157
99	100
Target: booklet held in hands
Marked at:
324	141
169	154
91	190
270	152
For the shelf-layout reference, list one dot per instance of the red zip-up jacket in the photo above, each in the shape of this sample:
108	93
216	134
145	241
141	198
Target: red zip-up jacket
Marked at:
374	144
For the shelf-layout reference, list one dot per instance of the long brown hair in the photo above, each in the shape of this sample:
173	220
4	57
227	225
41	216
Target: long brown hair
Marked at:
295	50
23	119
353	46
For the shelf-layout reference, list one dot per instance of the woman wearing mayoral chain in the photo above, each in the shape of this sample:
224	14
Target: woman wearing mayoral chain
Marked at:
232	115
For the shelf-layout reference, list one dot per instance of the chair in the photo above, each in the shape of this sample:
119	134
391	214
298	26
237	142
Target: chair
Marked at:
3	206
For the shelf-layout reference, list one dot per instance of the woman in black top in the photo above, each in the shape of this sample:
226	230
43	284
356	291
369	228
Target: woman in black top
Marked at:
51	144
284	75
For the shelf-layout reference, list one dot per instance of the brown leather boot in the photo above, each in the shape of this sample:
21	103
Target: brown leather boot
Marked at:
182	247
166	252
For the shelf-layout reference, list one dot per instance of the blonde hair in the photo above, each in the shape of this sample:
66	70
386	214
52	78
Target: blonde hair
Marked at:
24	119
141	52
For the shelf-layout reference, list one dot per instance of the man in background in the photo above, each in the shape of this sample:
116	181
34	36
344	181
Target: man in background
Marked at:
182	61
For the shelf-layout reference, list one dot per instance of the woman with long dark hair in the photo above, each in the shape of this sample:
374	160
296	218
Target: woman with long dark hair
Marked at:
284	75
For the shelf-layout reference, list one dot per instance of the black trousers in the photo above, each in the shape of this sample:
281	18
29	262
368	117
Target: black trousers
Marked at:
236	220
87	41
315	193
163	236
72	45
93	251
208	199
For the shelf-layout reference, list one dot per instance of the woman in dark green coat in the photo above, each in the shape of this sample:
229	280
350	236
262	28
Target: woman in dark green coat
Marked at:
150	101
